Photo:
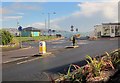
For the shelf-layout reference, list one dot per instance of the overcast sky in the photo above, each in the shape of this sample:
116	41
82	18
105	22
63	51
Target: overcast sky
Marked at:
82	14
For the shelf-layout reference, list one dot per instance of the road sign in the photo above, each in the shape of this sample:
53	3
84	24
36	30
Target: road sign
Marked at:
19	28
49	30
77	29
42	47
72	28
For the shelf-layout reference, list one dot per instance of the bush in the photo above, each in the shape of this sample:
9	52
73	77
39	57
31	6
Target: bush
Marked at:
6	37
98	69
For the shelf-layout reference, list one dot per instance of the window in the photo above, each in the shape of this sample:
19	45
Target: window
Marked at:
112	30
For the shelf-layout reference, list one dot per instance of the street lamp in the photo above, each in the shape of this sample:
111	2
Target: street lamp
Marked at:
49	20
48	16
45	23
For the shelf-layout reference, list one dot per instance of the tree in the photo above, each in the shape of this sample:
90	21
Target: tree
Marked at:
6	37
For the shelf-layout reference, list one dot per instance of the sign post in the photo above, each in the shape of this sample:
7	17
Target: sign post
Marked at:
20	30
42	47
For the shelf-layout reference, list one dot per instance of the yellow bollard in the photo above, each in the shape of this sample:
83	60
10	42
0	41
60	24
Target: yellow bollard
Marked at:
42	47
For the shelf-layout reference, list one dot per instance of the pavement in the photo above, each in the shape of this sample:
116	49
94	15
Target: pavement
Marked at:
38	68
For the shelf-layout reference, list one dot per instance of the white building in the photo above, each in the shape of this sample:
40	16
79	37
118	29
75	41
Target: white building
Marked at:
107	30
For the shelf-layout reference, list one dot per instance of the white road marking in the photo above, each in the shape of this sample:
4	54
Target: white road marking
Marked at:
28	60
14	60
45	55
57	42
20	49
82	43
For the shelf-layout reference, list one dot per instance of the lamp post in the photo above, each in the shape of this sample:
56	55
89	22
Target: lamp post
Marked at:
45	26
44	23
49	20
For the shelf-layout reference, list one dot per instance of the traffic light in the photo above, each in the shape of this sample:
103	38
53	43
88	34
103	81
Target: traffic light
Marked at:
77	29
72	28
19	28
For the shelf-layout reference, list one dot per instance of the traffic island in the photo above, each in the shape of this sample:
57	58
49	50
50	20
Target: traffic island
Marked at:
71	46
43	55
42	50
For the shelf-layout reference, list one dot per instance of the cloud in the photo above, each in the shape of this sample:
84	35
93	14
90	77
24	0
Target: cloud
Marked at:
25	0
8	11
7	18
5	11
18	8
108	9
20	13
58	0
90	14
41	25
23	6
37	25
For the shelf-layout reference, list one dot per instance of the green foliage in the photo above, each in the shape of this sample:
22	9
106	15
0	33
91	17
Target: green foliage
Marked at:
95	65
107	61
6	37
77	76
116	59
41	38
93	69
68	72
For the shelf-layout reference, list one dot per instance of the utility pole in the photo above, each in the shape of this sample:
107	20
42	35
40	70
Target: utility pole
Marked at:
48	21
45	26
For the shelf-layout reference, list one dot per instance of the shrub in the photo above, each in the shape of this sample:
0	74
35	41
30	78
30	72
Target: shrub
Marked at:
94	66
98	70
6	37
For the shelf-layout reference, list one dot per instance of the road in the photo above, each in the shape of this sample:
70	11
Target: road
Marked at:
31	49
58	62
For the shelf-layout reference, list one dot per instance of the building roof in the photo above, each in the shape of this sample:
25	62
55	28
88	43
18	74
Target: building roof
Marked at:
110	23
31	29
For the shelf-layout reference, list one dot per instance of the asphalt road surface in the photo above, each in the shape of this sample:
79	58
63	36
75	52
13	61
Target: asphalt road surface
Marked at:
40	68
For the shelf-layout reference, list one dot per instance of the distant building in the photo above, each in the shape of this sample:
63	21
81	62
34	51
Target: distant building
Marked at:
107	30
13	31
30	32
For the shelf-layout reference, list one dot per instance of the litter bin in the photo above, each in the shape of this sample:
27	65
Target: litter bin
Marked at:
42	47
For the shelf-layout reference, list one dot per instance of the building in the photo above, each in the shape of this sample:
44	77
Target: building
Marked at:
30	32
107	30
